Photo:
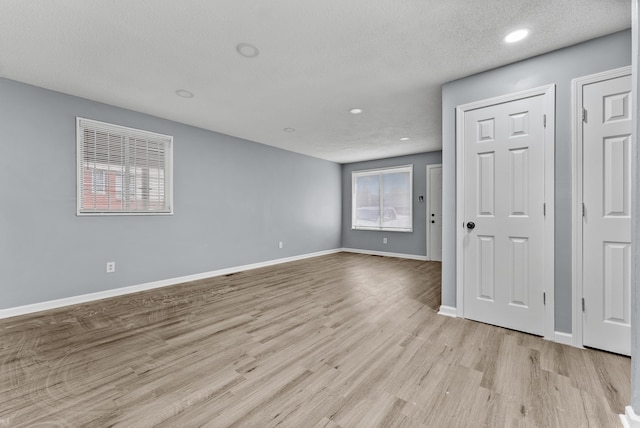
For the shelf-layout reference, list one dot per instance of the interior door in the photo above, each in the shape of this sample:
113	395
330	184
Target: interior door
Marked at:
434	215
504	212
606	237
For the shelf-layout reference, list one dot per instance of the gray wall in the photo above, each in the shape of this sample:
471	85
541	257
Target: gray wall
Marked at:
234	200
557	67
635	272
413	243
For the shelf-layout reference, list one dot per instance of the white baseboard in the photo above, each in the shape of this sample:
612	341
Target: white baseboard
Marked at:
84	298
385	254
448	311
630	419
564	338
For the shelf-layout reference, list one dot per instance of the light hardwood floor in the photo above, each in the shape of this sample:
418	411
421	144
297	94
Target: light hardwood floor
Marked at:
344	340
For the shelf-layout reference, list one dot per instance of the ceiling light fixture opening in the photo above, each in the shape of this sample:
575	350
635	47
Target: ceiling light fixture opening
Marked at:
247	50
355	111
516	36
405	139
289	130
184	93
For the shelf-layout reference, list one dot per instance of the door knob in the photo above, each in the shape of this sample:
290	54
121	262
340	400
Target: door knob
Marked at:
471	225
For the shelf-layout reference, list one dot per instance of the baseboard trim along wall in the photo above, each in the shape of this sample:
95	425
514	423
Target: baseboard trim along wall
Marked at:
385	254
630	419
448	311
84	298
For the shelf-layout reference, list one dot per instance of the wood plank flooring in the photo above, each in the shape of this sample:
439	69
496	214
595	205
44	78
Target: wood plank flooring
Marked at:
344	340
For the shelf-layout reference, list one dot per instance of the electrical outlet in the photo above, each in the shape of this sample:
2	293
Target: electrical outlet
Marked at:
280	244
384	240
111	267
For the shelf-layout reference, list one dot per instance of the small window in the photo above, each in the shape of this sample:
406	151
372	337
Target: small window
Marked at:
382	199
131	189
97	181
123	170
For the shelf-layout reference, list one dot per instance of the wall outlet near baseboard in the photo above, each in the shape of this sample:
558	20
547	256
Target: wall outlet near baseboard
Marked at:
111	267
384	240
280	244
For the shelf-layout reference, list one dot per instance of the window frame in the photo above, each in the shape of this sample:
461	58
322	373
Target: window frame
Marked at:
168	208
380	172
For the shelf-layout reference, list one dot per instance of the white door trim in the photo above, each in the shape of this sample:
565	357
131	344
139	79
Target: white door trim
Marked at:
548	91
576	214
429	168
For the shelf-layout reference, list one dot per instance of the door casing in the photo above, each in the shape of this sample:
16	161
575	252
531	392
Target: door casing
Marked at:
577	199
548	91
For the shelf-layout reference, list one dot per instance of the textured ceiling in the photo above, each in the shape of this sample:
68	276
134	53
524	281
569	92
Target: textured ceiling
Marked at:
318	59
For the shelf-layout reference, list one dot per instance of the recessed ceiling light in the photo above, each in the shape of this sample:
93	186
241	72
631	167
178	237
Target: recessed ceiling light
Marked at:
516	36
355	111
247	50
405	139
289	130
184	93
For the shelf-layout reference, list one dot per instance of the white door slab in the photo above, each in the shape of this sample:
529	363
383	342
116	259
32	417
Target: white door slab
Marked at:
434	212
504	213
606	228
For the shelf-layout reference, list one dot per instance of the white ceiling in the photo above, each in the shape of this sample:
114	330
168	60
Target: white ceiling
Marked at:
318	59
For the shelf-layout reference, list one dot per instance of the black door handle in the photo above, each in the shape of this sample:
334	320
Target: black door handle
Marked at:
471	225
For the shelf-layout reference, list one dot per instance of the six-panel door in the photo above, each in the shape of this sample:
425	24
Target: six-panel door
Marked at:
606	229
504	198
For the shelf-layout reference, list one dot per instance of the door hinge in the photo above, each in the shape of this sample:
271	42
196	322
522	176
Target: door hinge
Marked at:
584	115
544	120
583	209
544	298
544	209
583	304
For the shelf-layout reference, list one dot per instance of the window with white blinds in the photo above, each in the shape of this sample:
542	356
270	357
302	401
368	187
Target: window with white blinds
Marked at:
382	199
123	170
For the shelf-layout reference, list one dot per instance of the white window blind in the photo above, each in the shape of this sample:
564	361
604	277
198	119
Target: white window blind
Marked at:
123	170
382	199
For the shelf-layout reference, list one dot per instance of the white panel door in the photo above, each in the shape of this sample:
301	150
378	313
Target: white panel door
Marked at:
434	215
503	244
606	233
